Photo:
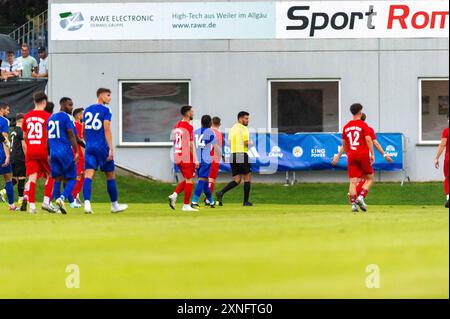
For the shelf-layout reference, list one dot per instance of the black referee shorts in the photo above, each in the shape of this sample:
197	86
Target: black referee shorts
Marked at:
19	169
240	164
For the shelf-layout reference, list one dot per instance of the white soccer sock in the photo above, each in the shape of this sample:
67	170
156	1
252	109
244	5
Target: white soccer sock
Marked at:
87	205
447	197
47	200
115	205
32	206
174	195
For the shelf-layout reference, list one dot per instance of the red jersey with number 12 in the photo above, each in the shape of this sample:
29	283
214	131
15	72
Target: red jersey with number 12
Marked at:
354	135
34	128
183	134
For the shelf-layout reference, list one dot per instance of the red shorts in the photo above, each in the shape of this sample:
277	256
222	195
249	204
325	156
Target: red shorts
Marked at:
38	166
187	170
358	167
214	173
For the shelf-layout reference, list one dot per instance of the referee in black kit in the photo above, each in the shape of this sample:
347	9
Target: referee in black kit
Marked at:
239	139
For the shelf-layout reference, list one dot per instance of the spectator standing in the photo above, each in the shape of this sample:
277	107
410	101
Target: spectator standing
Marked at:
28	62
12	67
42	71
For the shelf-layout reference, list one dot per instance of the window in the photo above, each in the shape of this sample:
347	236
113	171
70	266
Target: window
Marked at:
433	109
304	106
150	110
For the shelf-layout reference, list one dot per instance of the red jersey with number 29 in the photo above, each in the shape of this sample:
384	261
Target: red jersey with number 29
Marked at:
354	134
34	129
183	134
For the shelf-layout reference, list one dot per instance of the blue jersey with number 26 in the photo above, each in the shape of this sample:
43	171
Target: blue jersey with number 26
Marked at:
93	119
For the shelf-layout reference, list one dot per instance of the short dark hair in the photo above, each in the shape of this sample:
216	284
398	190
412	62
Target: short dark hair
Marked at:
216	120
41	50
242	114
102	90
364	117
64	100
356	108
49	107
185	109
10	52
19	116
40	97
77	111
206	121
3	105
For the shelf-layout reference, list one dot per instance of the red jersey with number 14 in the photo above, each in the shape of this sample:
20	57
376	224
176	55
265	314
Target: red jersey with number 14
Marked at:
184	135
35	133
354	134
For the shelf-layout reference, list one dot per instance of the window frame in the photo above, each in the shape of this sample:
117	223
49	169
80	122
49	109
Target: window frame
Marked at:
122	143
421	141
332	80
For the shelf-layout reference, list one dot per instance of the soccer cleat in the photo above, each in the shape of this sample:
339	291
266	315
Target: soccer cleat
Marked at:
195	205
172	201
355	208
78	202
360	202
188	208
75	205
219	198
33	211
89	212
207	203
61	206
50	208
446	204
119	208
3	195
23	206
248	204
212	205
13	208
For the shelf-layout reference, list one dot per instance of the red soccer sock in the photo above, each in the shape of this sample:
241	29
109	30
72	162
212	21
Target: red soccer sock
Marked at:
48	190
352	199
78	187
188	192
360	185
364	192
211	187
31	192
180	188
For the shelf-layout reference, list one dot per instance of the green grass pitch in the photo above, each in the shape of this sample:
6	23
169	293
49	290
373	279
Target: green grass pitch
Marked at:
295	249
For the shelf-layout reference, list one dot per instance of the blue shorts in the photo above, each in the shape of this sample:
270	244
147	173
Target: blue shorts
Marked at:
5	170
95	160
204	170
63	166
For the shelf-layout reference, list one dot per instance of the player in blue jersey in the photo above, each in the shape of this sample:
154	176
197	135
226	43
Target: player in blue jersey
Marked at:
99	150
63	151
205	141
5	165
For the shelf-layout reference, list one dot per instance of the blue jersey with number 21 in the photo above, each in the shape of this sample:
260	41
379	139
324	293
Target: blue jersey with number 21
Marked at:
93	119
58	139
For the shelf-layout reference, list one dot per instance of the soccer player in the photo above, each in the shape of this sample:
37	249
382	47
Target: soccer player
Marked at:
61	146
5	168
239	138
34	127
99	152
205	142
442	146
18	157
358	145
216	153
78	117
185	158
377	145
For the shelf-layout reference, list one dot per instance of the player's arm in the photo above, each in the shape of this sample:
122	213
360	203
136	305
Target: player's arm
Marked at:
80	141
7	154
108	135
338	156
381	151
73	142
441	149
369	142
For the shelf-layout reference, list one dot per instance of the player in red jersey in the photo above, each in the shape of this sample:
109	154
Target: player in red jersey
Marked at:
185	158
444	146
215	156
36	158
78	116
358	145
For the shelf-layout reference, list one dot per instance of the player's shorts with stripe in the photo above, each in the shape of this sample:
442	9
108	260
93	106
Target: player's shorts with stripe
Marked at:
187	170
204	170
63	166
19	169
240	164
38	166
214	173
5	170
358	167
96	160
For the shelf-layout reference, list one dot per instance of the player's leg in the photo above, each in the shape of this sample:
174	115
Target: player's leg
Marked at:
69	175
48	191
32	168
446	182
247	188
9	188
367	170
354	173
202	181
236	171
111	185
178	190
189	174
87	189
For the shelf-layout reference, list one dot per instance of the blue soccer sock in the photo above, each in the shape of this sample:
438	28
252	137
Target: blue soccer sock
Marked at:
70	199
198	191
112	190
10	192
208	194
87	189
70	185
57	190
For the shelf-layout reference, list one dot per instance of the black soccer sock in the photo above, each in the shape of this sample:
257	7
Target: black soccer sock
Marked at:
229	187
21	187
247	187
14	182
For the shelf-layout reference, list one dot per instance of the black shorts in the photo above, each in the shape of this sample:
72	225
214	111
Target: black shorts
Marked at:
240	164
19	169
